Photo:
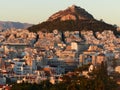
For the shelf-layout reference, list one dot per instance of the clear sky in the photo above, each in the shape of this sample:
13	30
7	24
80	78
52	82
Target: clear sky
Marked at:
36	11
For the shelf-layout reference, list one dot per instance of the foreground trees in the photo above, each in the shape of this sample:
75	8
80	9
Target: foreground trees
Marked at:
96	80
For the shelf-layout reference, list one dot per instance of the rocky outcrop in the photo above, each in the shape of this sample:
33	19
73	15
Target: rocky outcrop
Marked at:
68	17
71	13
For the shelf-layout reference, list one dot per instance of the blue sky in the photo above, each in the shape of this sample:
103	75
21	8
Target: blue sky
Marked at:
36	11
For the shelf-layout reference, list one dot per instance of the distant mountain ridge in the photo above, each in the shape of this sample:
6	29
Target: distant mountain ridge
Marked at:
11	24
71	19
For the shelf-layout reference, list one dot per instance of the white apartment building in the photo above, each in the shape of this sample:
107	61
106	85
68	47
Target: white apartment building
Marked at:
21	68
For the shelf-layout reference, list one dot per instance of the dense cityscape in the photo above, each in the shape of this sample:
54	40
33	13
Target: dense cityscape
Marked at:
30	57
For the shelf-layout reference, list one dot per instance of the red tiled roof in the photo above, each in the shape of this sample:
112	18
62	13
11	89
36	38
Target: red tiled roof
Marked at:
1	86
7	88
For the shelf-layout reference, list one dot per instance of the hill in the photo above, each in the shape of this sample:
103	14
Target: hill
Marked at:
72	18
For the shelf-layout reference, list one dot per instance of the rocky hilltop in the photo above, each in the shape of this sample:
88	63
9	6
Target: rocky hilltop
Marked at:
71	13
17	25
71	19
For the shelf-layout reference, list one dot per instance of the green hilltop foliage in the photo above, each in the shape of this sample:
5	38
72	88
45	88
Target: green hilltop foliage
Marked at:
71	25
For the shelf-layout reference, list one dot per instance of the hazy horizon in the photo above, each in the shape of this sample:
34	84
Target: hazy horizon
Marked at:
36	11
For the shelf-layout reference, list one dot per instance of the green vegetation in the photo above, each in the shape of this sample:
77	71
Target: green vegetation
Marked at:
98	80
72	25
